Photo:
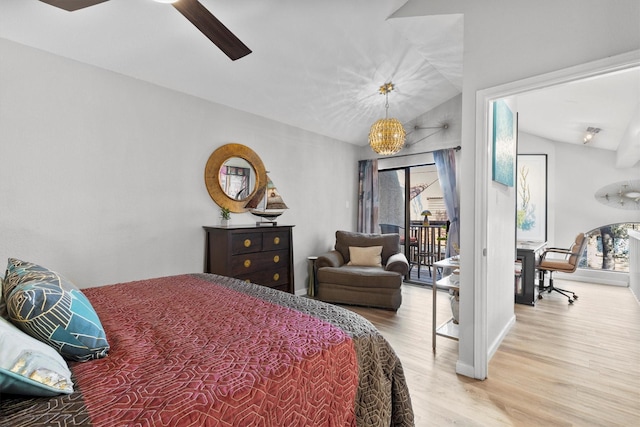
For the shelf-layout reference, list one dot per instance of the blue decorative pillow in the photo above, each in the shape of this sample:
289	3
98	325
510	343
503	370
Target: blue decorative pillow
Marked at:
50	308
30	367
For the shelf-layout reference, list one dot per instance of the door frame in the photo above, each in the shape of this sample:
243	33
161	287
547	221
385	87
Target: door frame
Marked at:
484	98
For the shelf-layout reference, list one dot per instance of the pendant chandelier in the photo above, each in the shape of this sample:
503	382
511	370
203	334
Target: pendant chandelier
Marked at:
387	135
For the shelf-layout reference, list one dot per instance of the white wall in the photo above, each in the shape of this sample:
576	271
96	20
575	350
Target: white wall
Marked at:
505	41
575	172
102	175
500	228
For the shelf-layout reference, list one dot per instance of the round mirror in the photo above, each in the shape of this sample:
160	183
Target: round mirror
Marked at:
233	174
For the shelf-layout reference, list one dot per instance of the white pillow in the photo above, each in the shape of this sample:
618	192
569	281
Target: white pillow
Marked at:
369	256
30	367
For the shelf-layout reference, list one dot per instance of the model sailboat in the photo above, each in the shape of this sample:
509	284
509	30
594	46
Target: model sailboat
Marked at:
267	203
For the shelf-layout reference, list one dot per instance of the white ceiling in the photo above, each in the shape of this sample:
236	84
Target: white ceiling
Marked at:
564	112
316	65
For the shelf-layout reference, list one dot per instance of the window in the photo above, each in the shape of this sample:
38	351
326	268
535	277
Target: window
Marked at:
608	247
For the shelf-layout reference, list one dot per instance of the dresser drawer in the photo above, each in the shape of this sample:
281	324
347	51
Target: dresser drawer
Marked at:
275	241
243	243
274	278
250	263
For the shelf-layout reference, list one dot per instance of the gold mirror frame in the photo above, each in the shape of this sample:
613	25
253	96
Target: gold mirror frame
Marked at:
212	172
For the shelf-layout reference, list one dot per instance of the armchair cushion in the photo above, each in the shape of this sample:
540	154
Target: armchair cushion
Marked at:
368	256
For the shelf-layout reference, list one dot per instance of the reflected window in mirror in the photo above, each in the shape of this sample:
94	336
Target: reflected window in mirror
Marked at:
237	178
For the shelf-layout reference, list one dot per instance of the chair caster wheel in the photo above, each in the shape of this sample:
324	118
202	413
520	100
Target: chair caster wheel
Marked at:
575	296
539	296
570	301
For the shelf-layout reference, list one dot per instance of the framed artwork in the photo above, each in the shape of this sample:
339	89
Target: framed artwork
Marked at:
531	198
504	144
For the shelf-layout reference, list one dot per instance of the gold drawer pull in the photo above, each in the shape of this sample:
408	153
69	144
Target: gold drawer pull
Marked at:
276	277
276	258
247	243
276	240
247	263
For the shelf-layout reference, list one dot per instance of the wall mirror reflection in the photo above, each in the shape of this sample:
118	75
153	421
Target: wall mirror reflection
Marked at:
237	178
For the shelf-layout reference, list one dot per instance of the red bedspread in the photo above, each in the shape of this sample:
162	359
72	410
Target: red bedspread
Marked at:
207	350
204	354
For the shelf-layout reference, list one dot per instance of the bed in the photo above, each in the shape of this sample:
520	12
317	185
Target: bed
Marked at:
209	350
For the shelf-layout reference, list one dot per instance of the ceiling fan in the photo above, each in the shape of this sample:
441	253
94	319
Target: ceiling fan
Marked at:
194	11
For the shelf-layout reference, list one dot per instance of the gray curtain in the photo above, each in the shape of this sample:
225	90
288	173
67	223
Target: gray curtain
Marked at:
368	199
446	164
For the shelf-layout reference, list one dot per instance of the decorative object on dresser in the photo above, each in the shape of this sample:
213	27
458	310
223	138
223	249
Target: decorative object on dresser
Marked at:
267	204
260	255
225	216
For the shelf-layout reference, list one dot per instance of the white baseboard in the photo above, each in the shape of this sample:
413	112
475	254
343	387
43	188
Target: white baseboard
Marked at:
493	347
603	277
466	370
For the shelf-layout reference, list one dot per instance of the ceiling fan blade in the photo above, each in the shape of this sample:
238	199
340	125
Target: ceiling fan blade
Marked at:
215	30
72	5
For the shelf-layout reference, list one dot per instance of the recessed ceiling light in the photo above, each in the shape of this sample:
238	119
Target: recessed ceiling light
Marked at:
591	132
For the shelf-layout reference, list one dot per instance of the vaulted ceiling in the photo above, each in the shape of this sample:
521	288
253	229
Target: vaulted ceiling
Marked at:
314	65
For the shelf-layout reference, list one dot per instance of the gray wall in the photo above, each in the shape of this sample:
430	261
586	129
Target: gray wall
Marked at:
102	177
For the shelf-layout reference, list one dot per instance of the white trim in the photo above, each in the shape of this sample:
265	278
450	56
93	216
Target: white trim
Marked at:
602	277
483	101
466	370
481	191
495	344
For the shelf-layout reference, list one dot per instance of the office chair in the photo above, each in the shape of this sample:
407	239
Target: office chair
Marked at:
567	263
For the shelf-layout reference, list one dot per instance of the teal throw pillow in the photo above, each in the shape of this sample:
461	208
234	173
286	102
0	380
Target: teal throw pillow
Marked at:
50	308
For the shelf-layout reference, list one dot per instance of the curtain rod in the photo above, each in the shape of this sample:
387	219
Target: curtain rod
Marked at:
457	148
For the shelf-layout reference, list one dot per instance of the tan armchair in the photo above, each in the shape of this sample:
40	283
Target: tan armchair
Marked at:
363	269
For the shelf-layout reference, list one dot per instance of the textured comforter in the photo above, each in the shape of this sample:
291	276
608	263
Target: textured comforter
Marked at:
207	350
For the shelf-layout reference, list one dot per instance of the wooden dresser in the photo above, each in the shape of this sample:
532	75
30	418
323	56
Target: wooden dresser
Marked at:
262	255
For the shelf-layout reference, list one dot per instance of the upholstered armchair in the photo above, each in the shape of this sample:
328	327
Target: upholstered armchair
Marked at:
363	269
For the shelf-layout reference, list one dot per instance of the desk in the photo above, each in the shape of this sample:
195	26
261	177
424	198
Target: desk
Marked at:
447	329
527	254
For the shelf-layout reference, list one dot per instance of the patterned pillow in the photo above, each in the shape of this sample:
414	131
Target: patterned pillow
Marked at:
3	305
51	309
30	367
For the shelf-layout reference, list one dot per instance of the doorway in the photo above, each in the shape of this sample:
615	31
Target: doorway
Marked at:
489	330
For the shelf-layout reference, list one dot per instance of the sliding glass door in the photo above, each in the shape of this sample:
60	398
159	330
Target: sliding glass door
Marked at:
406	195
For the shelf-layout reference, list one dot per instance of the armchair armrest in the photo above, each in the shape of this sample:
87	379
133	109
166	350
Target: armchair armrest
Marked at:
330	259
398	263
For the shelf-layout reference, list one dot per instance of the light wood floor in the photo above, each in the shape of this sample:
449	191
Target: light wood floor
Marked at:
560	365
